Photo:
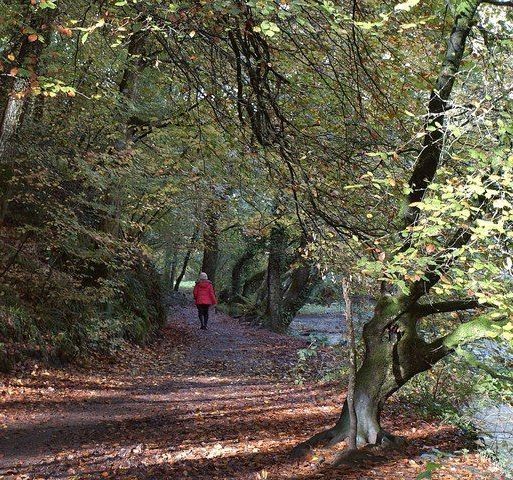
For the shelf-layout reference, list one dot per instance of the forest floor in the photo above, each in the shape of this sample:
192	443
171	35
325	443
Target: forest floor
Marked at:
215	404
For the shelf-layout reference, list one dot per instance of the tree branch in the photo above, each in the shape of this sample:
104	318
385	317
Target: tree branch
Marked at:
423	310
427	162
480	327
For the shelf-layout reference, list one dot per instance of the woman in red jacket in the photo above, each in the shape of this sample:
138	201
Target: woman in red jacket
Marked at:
204	296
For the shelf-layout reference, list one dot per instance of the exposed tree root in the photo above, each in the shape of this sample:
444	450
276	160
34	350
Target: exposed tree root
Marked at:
331	437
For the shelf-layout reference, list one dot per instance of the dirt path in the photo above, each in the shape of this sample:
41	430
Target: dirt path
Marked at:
215	404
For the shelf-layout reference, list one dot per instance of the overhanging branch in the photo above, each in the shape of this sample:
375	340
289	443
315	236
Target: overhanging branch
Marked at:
423	310
480	327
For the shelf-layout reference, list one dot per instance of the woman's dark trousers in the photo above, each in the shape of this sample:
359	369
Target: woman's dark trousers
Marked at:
203	315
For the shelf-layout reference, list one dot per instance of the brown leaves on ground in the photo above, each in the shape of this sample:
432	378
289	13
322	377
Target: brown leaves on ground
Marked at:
215	404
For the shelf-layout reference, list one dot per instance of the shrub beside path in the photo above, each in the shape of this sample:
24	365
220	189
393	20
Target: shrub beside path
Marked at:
214	404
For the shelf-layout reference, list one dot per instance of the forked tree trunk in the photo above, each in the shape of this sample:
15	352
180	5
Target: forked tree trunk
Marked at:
237	274
252	284
302	281
392	357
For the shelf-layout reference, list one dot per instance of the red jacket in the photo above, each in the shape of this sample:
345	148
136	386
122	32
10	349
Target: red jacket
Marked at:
204	293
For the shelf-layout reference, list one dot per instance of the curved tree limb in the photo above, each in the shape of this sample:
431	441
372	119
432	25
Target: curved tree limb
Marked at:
423	310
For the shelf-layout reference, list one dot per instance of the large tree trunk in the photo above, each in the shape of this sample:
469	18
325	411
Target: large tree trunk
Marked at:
237	271
252	284
275	269
392	357
301	282
211	245
11	113
284	292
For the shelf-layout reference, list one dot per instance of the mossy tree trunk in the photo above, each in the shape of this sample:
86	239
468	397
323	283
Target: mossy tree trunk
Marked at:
238	273
275	269
285	291
393	355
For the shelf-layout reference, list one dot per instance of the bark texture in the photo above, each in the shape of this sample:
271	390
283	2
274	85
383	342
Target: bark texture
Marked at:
275	270
16	100
429	157
392	357
237	273
211	245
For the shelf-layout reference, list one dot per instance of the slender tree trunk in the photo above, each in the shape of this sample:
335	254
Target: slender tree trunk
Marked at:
183	270
429	157
169	273
186	259
353	421
172	270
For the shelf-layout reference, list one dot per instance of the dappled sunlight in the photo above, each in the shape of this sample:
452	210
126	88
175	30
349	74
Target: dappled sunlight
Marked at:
170	422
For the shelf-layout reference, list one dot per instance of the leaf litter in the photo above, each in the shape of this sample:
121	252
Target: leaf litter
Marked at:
215	404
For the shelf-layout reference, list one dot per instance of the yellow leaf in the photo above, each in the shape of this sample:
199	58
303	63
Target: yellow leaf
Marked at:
408	5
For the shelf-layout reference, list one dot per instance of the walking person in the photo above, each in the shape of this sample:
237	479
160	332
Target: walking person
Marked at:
204	297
